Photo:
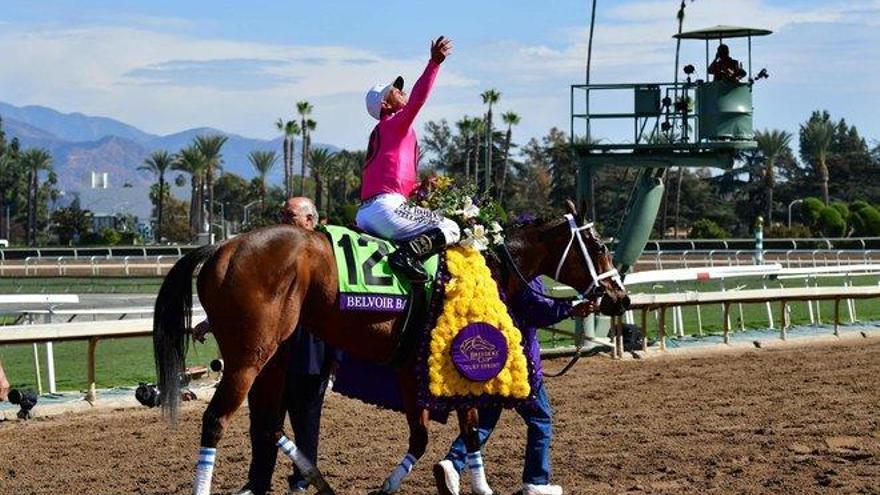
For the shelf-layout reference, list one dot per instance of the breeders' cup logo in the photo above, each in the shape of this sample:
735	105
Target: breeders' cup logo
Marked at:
479	351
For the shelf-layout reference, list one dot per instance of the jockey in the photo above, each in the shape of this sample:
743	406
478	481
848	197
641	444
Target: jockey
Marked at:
391	173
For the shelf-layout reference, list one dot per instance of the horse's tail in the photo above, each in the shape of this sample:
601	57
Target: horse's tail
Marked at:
172	318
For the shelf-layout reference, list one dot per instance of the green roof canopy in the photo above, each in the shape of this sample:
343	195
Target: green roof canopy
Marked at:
722	32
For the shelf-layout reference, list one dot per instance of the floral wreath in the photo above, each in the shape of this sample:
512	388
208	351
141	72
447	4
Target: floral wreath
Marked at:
478	217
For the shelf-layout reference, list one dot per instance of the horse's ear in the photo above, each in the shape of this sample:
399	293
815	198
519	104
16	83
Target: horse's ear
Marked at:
571	208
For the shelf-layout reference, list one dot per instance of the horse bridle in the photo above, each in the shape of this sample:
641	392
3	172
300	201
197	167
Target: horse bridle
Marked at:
595	289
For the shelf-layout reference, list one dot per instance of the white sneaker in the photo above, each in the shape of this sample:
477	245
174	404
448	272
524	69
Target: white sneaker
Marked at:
541	489
446	478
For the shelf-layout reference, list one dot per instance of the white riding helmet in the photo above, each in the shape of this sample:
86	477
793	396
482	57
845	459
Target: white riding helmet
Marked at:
376	95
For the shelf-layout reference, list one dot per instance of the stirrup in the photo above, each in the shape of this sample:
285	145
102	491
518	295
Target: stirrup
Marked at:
408	265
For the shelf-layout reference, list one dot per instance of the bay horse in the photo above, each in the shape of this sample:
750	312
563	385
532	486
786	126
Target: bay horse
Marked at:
258	288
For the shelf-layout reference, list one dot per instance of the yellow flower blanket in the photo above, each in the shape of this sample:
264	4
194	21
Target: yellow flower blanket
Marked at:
475	349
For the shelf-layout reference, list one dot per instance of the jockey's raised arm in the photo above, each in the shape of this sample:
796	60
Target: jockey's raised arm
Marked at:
391	173
404	118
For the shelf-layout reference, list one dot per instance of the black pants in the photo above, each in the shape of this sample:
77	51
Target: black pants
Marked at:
303	398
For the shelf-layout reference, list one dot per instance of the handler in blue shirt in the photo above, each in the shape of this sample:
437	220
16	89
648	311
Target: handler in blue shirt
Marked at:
311	365
530	310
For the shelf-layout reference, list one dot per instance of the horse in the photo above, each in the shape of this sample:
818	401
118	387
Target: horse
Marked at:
258	288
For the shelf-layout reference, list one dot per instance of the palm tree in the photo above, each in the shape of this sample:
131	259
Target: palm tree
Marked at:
263	162
772	145
816	139
304	109
311	125
9	173
321	162
511	119
465	130
191	161
157	164
34	160
281	125
210	147
490	97
291	129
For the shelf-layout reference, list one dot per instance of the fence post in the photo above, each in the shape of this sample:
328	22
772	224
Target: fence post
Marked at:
661	328
726	322
759	240
92	393
837	317
782	319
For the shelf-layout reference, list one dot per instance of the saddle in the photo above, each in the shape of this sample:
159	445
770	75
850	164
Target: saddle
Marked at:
367	283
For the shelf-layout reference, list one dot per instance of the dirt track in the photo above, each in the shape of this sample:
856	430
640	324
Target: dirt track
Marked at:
803	420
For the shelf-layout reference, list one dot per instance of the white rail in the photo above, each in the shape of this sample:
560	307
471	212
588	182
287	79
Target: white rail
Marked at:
663	302
92	331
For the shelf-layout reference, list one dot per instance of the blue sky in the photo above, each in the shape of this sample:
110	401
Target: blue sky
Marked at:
169	65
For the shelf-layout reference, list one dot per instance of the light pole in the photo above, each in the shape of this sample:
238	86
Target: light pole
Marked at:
222	218
789	209
247	208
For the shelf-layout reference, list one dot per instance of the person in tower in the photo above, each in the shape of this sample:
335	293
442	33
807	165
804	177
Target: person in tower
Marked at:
391	173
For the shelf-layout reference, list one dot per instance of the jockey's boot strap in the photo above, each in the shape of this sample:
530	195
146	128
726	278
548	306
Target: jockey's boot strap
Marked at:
407	259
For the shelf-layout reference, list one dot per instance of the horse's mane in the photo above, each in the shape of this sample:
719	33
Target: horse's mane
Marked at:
529	221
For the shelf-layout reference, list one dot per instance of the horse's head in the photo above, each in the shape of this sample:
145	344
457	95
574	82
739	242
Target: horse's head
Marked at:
574	254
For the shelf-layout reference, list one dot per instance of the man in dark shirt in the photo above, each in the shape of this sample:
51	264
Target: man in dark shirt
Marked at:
312	363
725	68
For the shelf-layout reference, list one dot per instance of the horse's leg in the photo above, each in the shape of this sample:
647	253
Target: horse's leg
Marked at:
227	399
417	420
266	407
469	426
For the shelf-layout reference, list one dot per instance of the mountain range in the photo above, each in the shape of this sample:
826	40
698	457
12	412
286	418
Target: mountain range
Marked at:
81	144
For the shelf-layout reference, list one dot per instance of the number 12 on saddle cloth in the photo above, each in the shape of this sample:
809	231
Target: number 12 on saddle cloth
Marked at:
366	281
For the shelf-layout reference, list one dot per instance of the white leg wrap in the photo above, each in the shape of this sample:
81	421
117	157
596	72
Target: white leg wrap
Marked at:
395	479
204	471
302	463
479	484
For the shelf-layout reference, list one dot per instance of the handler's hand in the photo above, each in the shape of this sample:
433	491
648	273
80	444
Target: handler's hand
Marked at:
583	309
440	49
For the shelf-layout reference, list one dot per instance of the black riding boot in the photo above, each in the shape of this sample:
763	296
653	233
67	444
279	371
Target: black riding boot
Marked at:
407	260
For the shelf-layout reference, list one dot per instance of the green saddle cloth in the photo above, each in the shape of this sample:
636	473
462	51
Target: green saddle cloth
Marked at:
366	281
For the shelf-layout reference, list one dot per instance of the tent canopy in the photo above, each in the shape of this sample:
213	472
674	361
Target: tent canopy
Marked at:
722	32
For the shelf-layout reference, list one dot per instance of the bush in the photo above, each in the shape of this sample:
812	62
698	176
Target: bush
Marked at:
858	205
843	209
866	221
831	223
810	209
707	229
110	237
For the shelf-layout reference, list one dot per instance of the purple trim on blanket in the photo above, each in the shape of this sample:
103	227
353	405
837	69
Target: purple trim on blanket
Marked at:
385	303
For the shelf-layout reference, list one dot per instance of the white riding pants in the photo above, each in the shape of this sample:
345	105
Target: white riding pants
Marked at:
389	216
